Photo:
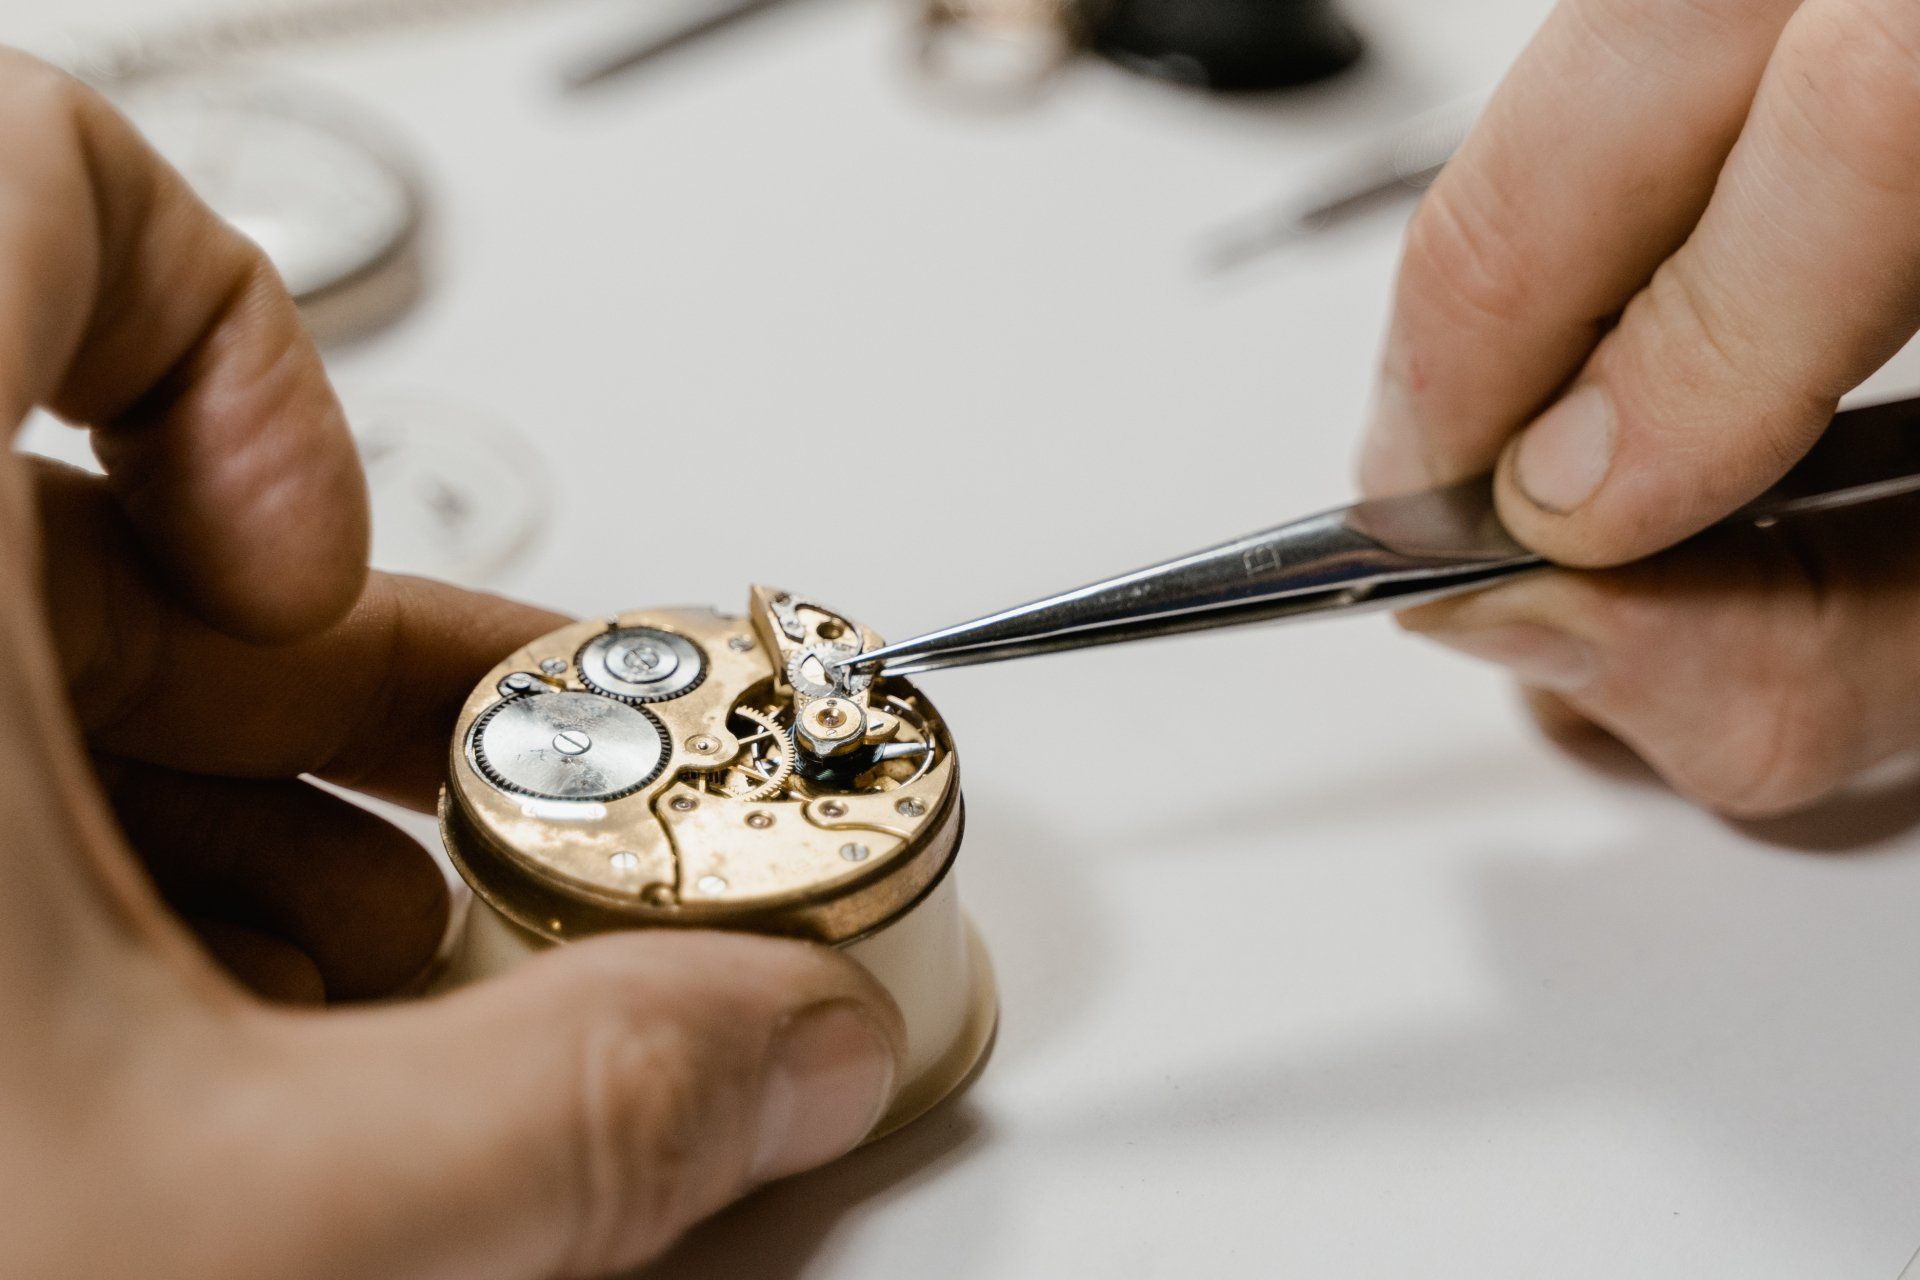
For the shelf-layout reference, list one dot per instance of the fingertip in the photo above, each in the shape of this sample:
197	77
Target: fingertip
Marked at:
1558	463
830	1077
1560	721
1389	465
1562	490
1391	460
1574	539
259	611
717	1062
270	967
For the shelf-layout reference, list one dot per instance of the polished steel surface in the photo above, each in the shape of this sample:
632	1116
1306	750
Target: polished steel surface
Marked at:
641	664
568	746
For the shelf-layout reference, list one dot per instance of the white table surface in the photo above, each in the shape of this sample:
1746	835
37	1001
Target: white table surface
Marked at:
1315	961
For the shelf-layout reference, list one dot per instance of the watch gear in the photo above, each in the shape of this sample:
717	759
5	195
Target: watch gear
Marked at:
811	675
641	664
766	761
568	746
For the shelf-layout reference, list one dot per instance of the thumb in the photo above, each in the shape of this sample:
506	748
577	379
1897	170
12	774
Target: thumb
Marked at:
574	1117
1799	280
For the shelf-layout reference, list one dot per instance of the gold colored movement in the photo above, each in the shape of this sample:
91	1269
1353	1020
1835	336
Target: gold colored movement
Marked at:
685	768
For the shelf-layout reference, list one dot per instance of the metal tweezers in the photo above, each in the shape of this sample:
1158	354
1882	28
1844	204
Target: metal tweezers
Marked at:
1388	553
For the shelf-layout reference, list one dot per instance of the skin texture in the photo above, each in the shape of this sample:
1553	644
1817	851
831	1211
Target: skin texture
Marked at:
1682	231
186	640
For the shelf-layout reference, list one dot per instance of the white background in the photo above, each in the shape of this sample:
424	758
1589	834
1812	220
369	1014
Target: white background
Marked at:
1315	961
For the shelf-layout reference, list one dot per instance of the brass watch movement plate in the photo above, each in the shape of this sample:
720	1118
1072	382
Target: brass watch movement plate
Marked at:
690	768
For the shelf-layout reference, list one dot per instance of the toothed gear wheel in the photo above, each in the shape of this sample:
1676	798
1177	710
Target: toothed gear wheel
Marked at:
641	665
569	746
773	783
808	674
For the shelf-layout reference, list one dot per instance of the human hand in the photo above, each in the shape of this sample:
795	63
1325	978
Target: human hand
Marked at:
188	636
1678	235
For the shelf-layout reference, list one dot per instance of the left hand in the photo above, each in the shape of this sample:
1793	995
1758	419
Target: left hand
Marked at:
186	639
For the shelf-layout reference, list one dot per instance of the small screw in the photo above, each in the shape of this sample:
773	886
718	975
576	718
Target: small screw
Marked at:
680	804
702	745
554	666
712	884
855	852
624	862
833	809
910	807
741	644
657	895
518	682
759	821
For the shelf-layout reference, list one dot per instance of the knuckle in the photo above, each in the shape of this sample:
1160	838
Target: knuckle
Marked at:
40	91
1744	700
1790	751
1458	251
1704	357
1674	28
1698	340
1849	71
1795	712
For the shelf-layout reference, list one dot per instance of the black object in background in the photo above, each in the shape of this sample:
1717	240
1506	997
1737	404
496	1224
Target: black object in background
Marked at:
1230	46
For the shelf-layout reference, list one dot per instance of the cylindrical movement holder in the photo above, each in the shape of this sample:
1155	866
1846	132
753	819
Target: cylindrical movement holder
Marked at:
643	772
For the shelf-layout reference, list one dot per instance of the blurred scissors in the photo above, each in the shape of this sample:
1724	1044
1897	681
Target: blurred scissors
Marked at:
1388	553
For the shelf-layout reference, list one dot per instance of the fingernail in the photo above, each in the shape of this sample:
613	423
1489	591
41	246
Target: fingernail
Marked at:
1562	458
1541	656
830	1078
1390	458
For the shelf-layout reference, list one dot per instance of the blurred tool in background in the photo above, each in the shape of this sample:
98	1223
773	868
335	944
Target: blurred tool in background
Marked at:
1001	52
601	65
1379	171
339	205
326	189
1005	51
1227	46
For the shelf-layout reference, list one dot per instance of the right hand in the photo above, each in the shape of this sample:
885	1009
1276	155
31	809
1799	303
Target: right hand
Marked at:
1680	232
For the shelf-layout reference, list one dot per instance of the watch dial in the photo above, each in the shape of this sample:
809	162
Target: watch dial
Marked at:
323	197
455	494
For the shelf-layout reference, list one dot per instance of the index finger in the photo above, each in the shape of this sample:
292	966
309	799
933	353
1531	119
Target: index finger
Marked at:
128	306
1593	160
369	703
